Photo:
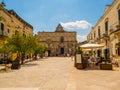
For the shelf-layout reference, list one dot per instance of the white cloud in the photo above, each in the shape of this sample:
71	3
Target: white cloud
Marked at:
82	24
81	38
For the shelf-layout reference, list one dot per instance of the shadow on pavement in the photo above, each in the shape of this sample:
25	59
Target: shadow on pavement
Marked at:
29	65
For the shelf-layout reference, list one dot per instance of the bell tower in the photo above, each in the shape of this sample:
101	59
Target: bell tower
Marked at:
59	28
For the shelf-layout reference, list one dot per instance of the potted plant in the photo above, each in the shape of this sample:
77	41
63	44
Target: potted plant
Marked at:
78	58
107	64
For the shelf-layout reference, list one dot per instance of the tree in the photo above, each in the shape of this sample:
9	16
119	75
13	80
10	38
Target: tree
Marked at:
5	50
24	45
39	49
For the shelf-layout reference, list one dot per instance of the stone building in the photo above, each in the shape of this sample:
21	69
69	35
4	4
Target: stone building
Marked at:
107	31
58	43
11	23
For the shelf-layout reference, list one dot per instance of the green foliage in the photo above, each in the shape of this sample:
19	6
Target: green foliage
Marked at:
78	51
16	41
38	49
91	52
4	49
23	45
28	44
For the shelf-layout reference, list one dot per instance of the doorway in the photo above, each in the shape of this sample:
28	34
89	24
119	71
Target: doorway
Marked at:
106	53
99	52
62	50
49	52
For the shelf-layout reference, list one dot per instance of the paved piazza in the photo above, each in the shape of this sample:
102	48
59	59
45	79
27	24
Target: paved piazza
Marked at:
58	73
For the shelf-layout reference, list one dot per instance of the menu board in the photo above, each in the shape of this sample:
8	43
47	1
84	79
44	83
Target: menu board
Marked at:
78	58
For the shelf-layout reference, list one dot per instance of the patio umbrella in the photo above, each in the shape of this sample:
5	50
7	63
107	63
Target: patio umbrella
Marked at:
91	46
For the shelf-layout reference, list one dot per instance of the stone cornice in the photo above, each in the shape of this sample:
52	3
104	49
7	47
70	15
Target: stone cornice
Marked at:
57	32
12	12
104	15
57	41
4	10
107	11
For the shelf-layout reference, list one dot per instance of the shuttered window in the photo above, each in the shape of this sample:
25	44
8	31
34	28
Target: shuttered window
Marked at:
106	27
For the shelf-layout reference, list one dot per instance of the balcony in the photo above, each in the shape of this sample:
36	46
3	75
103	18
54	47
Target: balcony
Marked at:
116	29
91	40
105	36
98	38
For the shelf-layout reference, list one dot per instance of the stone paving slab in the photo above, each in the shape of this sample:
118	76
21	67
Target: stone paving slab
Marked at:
59	73
19	88
48	74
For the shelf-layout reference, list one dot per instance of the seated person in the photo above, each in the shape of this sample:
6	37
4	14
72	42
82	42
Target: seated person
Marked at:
90	60
100	61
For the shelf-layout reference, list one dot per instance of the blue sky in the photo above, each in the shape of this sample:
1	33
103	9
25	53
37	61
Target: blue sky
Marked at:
74	15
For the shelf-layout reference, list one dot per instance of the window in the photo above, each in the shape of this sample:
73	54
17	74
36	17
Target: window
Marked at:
119	16
106	27
91	36
94	35
2	26
16	32
99	35
61	39
106	42
8	30
119	51
24	35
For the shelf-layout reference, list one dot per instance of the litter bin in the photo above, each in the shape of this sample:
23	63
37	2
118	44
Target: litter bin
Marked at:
16	64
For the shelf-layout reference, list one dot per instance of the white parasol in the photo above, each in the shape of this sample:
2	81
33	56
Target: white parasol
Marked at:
91	46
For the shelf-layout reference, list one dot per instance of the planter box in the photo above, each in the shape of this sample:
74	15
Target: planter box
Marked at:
106	66
85	62
79	66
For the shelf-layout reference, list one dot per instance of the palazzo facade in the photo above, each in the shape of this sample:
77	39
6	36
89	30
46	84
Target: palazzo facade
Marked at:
107	31
58	43
11	23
